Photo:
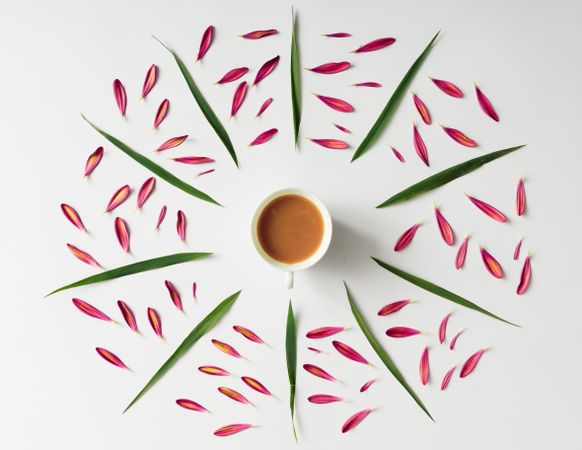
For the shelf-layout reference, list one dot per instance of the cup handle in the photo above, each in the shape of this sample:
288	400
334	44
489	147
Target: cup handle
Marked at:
289	280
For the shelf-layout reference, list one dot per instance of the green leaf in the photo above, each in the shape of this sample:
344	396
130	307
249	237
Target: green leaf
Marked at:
382	353
295	81
393	103
199	330
291	352
447	175
153	167
203	104
440	291
130	269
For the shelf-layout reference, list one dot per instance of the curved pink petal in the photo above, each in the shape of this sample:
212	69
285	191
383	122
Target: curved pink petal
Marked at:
406	237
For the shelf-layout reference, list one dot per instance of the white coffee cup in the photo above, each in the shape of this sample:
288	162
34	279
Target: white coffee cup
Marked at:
289	269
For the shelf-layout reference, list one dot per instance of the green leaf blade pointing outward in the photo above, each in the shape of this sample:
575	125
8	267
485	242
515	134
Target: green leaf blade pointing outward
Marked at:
206	109
444	177
153	167
393	103
438	290
130	269
295	80
291	354
199	330
382	354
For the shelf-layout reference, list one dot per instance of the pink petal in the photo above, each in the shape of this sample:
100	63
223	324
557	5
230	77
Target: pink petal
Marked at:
338	35
376	44
459	137
349	352
205	172
174	294
491	264
110	357
145	191
355	420
128	315
324	332
161	113
462	253
405	238
331	68
191	405
525	276
343	129
334	144
83	256
118	198
488	209
205	42
398	155
161	216
447	378
443	328
93	161
336	104
367	385
259	34
181	225
155	321
444	227
120	96
122	233
471	363
424	366
318	372
264	137
485	104
520	198
172	142
370	84
233	75
90	310
422	109
150	80
229	430
393	307
419	145
238	98
454	340
264	106
266	69
402	332
226	348
193	159
73	216
323	399
448	88
517	250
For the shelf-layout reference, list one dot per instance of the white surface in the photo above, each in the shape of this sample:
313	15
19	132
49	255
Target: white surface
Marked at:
60	58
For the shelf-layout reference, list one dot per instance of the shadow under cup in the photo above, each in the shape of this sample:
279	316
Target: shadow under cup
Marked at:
294	212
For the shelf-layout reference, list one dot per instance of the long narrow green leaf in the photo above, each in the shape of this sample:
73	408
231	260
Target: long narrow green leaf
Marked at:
203	104
393	103
199	330
291	352
382	353
295	81
130	269
440	291
447	175
153	167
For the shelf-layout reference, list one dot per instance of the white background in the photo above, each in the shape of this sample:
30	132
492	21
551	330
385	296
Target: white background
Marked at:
60	58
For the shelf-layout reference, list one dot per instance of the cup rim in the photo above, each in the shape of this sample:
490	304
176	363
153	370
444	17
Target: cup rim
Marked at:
325	240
